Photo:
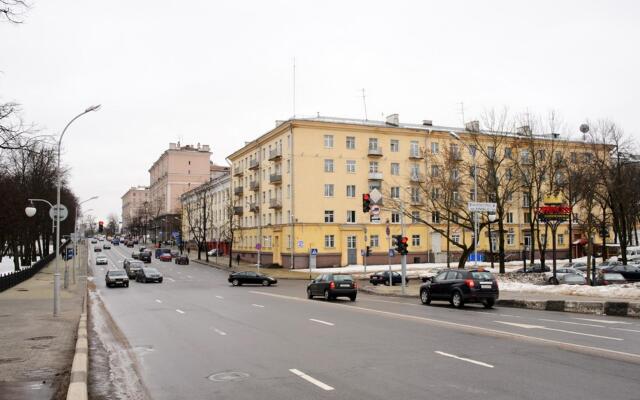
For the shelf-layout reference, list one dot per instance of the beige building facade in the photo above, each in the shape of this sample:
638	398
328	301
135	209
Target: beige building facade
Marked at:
132	201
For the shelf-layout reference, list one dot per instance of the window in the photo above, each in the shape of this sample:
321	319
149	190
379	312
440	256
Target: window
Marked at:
415	217
435	171
456	195
374	241
373	144
351	217
455	151
373	166
472	194
329	241
288	191
351	242
351	190
435	217
395	192
415	240
435	193
435	148
509	218
395	218
473	150
574	157
415	195
351	166
288	166
414	149
508	153
328	165
524	157
328	216
511	238
328	141
455	237
526	199
561	239
395	169
455	174
527	218
351	142
328	190
395	145
509	197
491	152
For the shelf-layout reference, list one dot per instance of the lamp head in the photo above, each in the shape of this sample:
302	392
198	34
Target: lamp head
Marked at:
454	135
30	211
93	108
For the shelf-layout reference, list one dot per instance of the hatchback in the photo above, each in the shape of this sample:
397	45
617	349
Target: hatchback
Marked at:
149	275
165	257
331	286
460	287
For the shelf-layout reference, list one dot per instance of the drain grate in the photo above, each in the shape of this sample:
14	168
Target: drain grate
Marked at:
228	376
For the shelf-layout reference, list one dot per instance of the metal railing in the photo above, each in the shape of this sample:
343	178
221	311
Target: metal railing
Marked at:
11	279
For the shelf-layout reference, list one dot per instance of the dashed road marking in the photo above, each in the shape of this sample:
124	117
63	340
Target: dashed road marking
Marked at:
258	305
171	279
626	330
527	326
464	359
158	301
219	332
310	379
602	321
219	297
180	311
321	322
571	323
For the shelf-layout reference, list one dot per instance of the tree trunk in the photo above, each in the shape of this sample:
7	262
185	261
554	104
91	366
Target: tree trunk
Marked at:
465	256
501	245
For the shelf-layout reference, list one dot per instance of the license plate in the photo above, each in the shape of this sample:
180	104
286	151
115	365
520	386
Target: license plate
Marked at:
486	285
345	285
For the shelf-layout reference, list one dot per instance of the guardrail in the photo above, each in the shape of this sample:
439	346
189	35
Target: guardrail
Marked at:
11	279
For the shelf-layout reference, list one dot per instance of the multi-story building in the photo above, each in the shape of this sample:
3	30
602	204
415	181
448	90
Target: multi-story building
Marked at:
177	170
132	201
298	188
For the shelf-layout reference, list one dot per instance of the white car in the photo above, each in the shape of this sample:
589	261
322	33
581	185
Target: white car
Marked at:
101	259
548	276
213	252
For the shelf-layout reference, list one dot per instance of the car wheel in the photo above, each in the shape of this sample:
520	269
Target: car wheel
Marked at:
425	298
160	280
265	283
457	300
352	298
553	281
386	283
309	295
235	282
488	303
327	296
375	283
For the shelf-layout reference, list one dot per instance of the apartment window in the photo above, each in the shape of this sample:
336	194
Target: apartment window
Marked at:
525	157
435	148
561	239
509	218
395	145
435	217
351	190
351	142
435	193
508	153
415	170
395	192
455	151
455	174
351	217
328	141
415	240
351	242
374	241
456	195
395	218
455	237
473	150
328	216
328	165
542	154
472	194
415	217
435	171
373	144
491	152
415	195
526	199
374	185
288	166
329	241
373	166
395	169
288	191
472	171
414	149
351	166
511	238
328	190
527	218
509	197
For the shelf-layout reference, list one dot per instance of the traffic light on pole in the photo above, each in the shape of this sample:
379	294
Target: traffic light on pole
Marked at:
100	226
404	245
397	241
368	251
366	203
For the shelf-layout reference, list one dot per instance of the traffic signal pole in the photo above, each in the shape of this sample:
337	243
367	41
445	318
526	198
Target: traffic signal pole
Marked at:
403	257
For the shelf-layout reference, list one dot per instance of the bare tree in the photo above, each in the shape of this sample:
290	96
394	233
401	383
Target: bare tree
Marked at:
13	10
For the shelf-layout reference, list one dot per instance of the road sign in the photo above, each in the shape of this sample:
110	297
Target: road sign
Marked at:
375	195
375	209
69	254
314	252
62	212
258	246
374	219
475	206
300	244
391	253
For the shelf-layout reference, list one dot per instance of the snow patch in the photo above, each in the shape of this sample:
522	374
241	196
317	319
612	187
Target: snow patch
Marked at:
629	291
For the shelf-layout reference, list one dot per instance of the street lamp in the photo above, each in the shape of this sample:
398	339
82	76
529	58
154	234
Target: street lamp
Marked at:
75	243
475	193
30	210
56	275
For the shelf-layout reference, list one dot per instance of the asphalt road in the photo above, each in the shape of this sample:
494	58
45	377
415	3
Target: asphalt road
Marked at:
198	337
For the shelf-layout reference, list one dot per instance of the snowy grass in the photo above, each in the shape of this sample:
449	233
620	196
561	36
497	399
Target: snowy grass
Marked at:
629	291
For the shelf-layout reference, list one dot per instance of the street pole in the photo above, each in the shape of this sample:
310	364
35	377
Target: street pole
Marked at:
403	257
388	232
365	249
475	213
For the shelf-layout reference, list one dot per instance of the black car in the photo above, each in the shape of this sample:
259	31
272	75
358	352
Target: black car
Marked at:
460	287
534	269
182	260
383	278
331	286
133	267
630	272
106	246
97	249
250	277
116	277
145	256
148	274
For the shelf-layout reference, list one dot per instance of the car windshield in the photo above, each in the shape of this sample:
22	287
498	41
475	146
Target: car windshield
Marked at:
136	264
573	278
340	278
613	276
116	273
482	275
151	270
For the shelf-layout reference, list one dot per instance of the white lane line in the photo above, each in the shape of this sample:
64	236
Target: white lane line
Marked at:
321	322
310	379
464	359
219	332
180	311
189	276
158	301
526	326
571	323
509	315
626	330
602	321
219	297
258	305
171	279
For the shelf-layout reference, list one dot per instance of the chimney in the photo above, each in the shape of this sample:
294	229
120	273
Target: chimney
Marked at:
427	122
472	126
393	119
173	146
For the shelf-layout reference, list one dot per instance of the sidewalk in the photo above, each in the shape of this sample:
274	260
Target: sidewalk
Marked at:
36	348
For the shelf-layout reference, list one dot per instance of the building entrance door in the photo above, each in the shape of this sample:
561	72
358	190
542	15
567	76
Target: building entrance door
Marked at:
352	255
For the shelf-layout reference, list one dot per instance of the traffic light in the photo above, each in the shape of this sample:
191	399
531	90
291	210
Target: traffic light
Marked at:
366	203
397	241
368	251
100	226
404	243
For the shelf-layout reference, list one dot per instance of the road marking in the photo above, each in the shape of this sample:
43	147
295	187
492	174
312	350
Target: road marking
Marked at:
602	321
171	279
626	330
180	311
219	297
572	323
599	351
464	359
189	276
158	301
321	322
525	326
258	305
509	315
219	332
310	379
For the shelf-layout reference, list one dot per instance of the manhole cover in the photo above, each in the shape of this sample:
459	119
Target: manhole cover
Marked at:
41	338
229	376
9	360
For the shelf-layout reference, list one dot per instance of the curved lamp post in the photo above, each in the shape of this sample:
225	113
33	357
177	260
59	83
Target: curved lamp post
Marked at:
75	244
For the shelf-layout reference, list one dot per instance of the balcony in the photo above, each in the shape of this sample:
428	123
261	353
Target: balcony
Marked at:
275	154
238	190
238	210
374	152
238	172
416	155
275	203
416	178
254	164
254	207
254	186
275	179
375	176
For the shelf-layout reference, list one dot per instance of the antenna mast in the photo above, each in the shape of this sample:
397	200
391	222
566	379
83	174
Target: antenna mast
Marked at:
462	111
294	87
364	102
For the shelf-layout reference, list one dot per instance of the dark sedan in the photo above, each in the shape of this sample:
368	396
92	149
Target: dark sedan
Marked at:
631	273
148	275
145	256
250	277
460	287
116	277
133	267
534	269
382	278
331	286
182	260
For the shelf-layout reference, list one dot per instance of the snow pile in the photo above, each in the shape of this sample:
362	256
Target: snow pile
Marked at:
630	291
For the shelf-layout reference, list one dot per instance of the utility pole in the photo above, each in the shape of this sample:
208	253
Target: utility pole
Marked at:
388	233
403	257
365	249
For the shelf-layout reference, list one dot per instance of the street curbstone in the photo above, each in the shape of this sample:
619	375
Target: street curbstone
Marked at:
555	305
584	307
633	310
616	308
79	375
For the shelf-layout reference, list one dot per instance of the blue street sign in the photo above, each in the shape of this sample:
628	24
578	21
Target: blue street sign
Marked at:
69	254
391	253
314	252
472	258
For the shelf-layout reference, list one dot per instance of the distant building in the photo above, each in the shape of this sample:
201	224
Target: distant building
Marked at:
132	201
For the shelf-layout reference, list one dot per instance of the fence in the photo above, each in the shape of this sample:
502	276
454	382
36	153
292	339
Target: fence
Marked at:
13	278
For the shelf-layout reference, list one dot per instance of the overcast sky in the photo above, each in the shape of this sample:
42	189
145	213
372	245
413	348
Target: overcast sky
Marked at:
220	73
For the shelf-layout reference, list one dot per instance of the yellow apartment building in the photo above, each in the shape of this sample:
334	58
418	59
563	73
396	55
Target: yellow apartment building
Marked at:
298	189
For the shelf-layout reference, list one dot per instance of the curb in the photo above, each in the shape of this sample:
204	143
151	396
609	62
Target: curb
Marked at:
611	308
80	367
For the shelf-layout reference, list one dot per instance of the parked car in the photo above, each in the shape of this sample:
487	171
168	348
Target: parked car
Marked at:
101	260
633	254
148	274
174	253
135	241
548	276
115	242
572	279
145	256
534	269
213	252
106	246
460	287
331	286
165	257
383	278
135	255
97	249
182	260
161	251
250	277
141	249
133	267
631	273
610	278
116	277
